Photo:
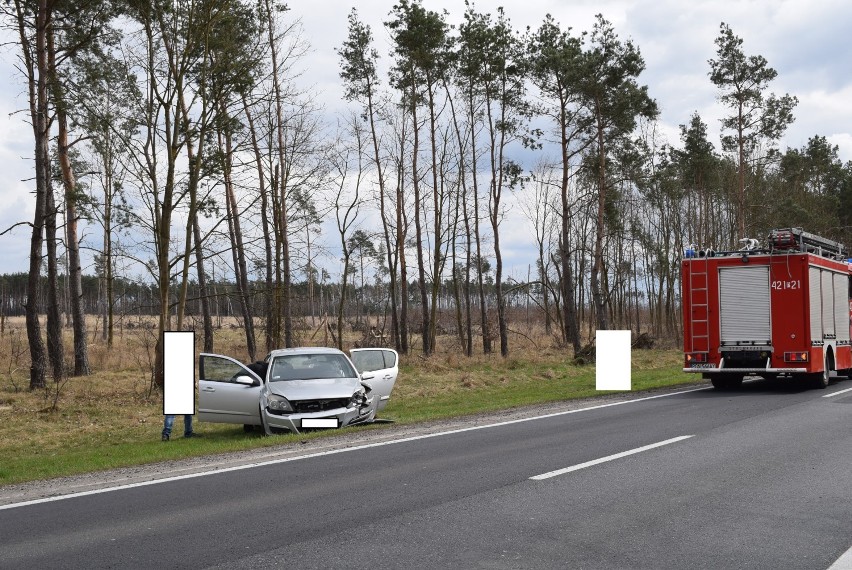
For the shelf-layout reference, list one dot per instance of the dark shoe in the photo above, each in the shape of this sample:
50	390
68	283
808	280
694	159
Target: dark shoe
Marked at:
165	437
193	434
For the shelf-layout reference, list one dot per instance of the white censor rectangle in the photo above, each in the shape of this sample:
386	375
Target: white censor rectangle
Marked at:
612	360
178	372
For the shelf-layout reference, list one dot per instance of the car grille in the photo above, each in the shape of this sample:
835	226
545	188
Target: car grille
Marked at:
309	406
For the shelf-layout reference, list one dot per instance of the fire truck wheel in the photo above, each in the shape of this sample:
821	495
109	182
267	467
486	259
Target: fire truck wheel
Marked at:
820	379
727	381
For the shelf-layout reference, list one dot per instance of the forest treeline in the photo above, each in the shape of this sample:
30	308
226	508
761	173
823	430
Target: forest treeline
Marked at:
134	302
183	134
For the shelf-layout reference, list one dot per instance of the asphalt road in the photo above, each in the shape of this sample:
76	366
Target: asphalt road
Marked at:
765	481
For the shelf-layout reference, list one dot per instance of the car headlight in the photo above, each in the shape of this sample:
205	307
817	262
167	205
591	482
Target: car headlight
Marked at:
359	399
278	404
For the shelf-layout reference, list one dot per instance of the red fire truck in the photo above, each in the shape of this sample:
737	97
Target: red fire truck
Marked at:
783	310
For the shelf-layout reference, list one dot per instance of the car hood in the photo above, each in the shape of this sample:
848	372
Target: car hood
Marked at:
319	389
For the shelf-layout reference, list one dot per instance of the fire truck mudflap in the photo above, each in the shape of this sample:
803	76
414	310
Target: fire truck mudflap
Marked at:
779	311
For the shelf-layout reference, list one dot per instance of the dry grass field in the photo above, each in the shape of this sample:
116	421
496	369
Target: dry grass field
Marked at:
114	416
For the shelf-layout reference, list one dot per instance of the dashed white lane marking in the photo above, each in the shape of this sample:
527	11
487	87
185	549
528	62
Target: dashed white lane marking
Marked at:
335	451
579	466
837	393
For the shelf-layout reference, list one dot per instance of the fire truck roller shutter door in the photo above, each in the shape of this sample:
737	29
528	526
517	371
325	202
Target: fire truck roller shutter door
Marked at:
814	298
841	307
827	284
744	304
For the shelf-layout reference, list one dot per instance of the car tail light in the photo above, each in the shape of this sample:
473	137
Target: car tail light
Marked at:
692	357
796	357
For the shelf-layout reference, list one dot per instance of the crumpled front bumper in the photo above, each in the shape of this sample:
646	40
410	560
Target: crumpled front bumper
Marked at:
293	422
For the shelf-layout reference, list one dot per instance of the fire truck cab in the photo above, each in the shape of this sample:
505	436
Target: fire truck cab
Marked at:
779	311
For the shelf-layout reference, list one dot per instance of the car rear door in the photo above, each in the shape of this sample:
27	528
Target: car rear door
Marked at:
379	368
222	399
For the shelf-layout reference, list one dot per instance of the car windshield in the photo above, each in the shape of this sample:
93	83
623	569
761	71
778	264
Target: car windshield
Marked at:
311	367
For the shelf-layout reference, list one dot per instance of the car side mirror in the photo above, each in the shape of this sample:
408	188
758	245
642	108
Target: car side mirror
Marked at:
367	376
246	380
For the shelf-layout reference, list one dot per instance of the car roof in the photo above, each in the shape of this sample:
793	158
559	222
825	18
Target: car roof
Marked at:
305	350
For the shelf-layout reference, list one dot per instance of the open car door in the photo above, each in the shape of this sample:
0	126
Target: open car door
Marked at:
228	392
379	368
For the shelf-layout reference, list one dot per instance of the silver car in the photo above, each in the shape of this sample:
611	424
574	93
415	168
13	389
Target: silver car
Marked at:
297	388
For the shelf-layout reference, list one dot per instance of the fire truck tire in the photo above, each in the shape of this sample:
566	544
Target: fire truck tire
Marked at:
820	380
727	381
719	383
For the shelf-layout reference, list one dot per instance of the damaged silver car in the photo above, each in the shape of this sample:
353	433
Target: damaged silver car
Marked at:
295	389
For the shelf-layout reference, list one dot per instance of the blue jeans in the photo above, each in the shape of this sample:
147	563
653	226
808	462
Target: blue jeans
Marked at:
170	421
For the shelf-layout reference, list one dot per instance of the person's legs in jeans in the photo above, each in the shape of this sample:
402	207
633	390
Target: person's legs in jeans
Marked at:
167	426
187	426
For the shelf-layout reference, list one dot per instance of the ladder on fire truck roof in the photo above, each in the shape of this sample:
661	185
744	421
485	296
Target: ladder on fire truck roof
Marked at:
699	299
806	242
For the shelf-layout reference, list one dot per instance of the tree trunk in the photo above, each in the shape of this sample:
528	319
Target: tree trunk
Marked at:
598	295
74	277
483	309
570	322
401	231
494	215
202	288
460	330
343	290
107	262
385	228
545	291
418	229
284	297
194	159
37	91
278	330
466	333
237	248
269	317
55	348
437	205
285	270
164	205
81	353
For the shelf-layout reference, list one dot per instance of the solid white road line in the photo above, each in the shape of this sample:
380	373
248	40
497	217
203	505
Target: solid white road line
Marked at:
550	474
837	393
844	562
335	451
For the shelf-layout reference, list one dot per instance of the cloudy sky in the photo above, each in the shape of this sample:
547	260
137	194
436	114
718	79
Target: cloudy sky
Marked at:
805	41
